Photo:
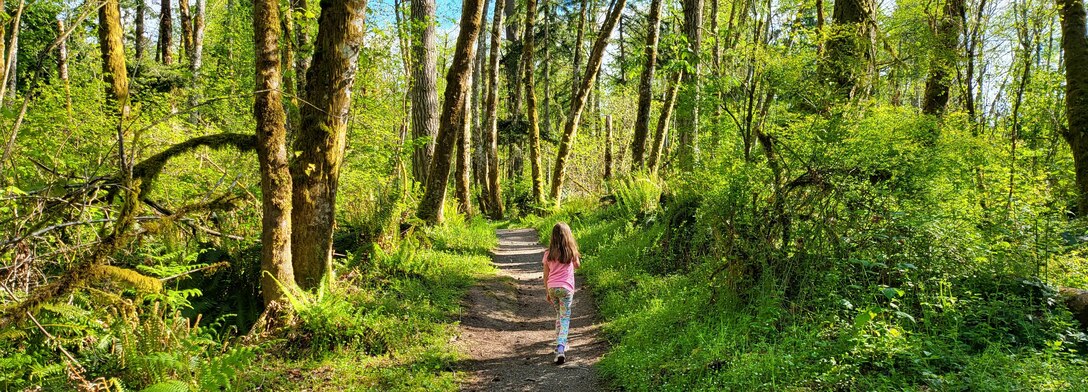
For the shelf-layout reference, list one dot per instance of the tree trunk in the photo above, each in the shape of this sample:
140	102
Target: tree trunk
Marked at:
303	45
850	47
277	272
491	119
513	66
141	11
546	122
458	81
462	185
166	34
479	82
196	61
186	27
946	58
424	86
321	141
530	101
575	81
570	128
608	147
62	69
1075	46
663	124
8	90
645	87
687	118
110	42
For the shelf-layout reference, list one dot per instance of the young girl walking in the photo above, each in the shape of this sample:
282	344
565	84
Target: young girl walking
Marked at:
560	260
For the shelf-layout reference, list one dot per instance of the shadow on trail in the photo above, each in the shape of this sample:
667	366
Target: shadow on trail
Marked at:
507	330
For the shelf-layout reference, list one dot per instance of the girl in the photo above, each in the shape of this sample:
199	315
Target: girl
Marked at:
560	260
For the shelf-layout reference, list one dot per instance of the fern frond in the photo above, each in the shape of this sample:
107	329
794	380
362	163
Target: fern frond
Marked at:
168	386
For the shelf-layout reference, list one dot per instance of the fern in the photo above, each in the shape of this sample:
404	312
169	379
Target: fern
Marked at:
168	386
42	372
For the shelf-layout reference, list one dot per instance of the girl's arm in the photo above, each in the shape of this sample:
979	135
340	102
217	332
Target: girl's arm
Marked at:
577	263
547	295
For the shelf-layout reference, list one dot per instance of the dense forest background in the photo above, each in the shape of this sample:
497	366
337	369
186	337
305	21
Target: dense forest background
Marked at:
813	195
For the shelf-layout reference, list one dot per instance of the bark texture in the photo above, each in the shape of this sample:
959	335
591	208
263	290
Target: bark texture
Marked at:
303	45
608	147
461	181
277	272
424	85
166	34
1075	46
645	87
458	83
141	44
530	101
322	136
491	118
945	58
570	127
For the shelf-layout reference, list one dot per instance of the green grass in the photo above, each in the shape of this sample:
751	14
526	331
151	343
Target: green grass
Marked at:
388	325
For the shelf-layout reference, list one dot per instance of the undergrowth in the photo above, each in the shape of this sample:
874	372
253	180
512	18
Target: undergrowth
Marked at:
689	308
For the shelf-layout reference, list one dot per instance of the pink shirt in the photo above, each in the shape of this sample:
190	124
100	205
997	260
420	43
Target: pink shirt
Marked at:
559	274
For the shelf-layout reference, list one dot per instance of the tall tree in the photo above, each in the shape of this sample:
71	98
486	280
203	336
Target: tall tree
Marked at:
196	60
658	147
945	58
424	86
277	272
1075	47
321	142
513	65
462	183
530	100
687	117
580	36
141	43
491	115
458	81
186	20
479	83
850	58
645	86
570	127
166	34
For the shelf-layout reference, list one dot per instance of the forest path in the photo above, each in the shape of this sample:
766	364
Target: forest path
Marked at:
508	328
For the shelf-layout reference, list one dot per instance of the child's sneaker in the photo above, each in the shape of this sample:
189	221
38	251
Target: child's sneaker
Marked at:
560	355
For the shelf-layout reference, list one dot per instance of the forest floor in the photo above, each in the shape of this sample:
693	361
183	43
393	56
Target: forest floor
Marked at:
508	328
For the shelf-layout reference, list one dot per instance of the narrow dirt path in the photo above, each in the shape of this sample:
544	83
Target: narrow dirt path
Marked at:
508	329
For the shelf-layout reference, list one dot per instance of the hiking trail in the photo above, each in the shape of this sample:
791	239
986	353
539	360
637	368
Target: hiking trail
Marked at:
508	329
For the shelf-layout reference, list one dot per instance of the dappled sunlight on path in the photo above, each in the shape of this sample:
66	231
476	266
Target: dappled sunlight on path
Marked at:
508	329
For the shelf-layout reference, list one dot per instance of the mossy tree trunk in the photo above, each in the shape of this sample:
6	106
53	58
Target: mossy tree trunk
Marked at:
1075	46
277	272
945	59
452	121
527	62
491	119
849	64
653	161
320	145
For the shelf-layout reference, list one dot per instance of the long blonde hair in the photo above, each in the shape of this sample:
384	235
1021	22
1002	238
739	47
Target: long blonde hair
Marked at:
562	247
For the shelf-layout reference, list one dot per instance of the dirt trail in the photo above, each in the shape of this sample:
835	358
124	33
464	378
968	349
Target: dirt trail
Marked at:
508	329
